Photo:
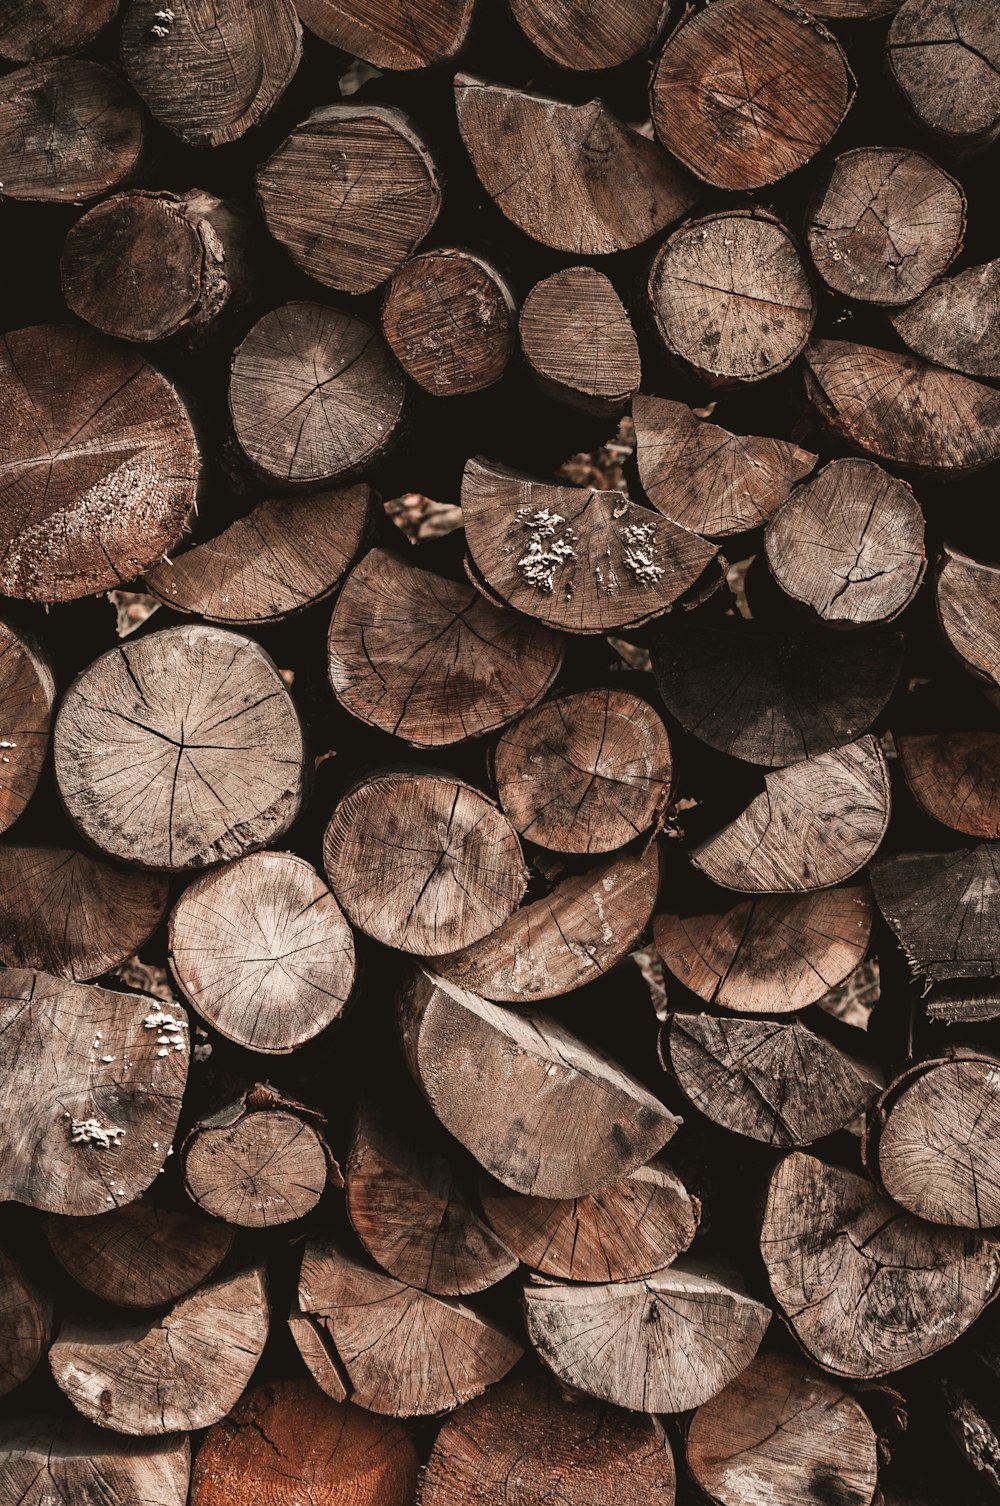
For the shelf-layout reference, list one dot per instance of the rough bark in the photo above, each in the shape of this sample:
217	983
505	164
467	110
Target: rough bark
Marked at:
525	1442
901	409
140	1255
664	1344
380	194
90	1098
888	223
769	956
180	750
27	694
784	1433
427	659
866	1287
314	394
585	772
100	465
183	1370
816	824
570	937
934	1140
956	323
627	1230
215	67
285	1442
262	951
71	914
577	559
571	176
578	341
955	778
55	1460
70	129
25	1324
773	694
391	33
543	1113
423	861
32	29
407	1354
285	555
945	909
449	319
590	34
773	1081
703	477
730	295
746	93
410	1213
849	544
968	608
945	59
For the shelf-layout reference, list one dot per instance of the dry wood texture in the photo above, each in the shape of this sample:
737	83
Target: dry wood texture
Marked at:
391	33
69	129
139	1255
25	1324
27	693
39	28
955	323
577	339
945	60
80	1462
448	318
589	33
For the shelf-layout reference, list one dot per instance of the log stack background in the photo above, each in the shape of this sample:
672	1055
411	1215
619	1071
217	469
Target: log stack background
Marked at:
500	773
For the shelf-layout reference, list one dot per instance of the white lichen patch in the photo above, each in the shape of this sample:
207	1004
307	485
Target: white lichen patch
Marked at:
170	1030
92	1132
639	553
545	553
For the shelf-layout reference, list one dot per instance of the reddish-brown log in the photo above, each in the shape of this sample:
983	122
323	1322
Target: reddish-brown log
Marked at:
586	34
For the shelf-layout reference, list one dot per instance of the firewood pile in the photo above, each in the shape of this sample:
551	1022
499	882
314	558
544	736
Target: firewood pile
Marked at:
499	753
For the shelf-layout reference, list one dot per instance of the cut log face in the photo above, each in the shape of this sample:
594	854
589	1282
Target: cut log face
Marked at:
255	1167
769	956
902	410
543	1113
769	1080
785	1433
139	1256
262	951
288	553
849	544
69	129
889	222
867	1288
588	34
773	696
937	1138
746	93
179	257
570	937
944	908
314	394
79	1463
90	1099
178	1372
854	10
25	1326
703	477
287	1442
968	606
955	779
585	772
216	67
427	659
33	29
815	825
580	560
946	60
730	295
630	1229
407	1354
664	1344
956	323
449	319
577	339
27	693
411	1216
71	914
571	176
180	750
388	33
100	464
318	1354
523	1441
380	196
423	862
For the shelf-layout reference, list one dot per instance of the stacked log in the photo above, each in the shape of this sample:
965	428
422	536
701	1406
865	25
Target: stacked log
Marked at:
499	753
